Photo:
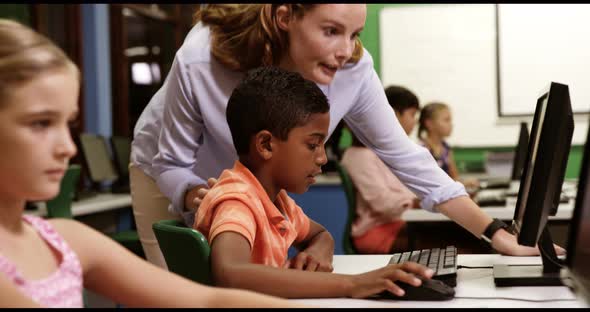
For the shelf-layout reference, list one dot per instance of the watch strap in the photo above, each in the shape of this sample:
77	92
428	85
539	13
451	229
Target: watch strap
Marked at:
492	228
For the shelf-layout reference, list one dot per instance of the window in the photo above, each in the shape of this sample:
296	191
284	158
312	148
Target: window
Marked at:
144	40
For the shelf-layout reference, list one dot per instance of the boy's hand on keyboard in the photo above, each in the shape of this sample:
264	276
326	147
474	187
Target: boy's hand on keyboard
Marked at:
376	281
506	244
307	262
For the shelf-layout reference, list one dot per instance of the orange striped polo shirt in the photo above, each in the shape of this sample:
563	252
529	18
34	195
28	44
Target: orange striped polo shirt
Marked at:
239	203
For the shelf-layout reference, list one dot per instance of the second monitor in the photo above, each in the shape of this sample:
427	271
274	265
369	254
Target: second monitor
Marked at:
99	165
540	189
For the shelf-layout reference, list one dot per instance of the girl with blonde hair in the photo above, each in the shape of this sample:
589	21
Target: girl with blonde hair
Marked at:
48	263
182	138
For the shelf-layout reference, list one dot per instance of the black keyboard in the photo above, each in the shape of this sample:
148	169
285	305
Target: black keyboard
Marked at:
443	261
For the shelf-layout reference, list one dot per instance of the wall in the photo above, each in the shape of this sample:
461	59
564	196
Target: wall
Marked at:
97	69
480	128
17	12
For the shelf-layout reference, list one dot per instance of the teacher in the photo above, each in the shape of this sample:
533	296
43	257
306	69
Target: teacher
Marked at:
182	137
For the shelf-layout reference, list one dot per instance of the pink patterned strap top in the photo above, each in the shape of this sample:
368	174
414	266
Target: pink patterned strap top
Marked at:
63	288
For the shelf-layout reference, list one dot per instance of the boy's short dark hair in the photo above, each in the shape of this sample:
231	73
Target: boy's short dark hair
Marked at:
273	99
401	98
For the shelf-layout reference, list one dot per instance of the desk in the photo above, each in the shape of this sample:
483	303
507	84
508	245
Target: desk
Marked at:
471	283
328	179
564	212
99	203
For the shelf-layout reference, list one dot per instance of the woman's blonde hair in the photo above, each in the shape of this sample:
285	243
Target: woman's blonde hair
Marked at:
24	54
428	112
245	36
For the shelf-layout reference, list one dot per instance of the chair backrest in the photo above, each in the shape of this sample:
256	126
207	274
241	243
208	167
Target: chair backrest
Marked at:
185	250
61	205
350	192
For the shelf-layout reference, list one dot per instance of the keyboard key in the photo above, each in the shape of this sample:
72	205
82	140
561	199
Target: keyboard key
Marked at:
424	256
415	255
395	258
405	257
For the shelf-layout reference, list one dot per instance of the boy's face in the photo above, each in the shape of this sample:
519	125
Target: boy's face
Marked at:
296	161
407	119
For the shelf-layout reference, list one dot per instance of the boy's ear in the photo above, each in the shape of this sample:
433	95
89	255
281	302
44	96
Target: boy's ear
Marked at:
262	142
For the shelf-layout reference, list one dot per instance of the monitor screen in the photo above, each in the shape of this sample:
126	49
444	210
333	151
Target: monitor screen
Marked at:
526	178
545	164
97	158
121	152
578	248
540	189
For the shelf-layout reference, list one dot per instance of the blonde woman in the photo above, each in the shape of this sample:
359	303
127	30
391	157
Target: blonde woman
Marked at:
182	138
47	263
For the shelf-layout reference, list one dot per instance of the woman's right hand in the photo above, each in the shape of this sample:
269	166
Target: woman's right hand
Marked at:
194	197
376	281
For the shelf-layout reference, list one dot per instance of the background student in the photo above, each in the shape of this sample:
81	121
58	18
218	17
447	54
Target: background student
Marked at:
405	104
381	197
278	122
48	263
182	139
435	125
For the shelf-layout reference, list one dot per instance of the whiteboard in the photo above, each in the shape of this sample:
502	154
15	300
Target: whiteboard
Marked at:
447	52
539	43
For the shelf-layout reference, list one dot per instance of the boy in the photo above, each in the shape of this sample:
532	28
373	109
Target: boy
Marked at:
405	104
279	122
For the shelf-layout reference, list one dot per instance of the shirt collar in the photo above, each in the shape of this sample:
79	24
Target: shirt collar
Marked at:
272	211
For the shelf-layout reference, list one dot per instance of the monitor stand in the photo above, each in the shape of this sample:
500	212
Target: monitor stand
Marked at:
547	274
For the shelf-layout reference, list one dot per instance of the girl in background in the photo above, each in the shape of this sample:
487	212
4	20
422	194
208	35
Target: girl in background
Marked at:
435	124
47	263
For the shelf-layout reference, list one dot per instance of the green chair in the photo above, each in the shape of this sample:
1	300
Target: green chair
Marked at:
185	250
61	207
350	192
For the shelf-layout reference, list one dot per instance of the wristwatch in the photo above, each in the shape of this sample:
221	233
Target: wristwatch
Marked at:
493	228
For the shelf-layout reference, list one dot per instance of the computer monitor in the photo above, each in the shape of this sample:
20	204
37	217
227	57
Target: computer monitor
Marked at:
577	272
521	152
121	151
540	189
97	160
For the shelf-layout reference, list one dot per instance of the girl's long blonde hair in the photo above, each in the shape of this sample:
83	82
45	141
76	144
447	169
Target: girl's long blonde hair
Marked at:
25	54
245	36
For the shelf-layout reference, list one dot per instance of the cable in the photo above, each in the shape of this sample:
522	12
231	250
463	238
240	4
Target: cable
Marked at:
473	267
518	299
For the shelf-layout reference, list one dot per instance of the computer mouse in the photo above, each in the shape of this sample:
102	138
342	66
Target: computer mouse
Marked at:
429	290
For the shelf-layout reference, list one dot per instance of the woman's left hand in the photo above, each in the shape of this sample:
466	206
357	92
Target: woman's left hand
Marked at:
506	244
